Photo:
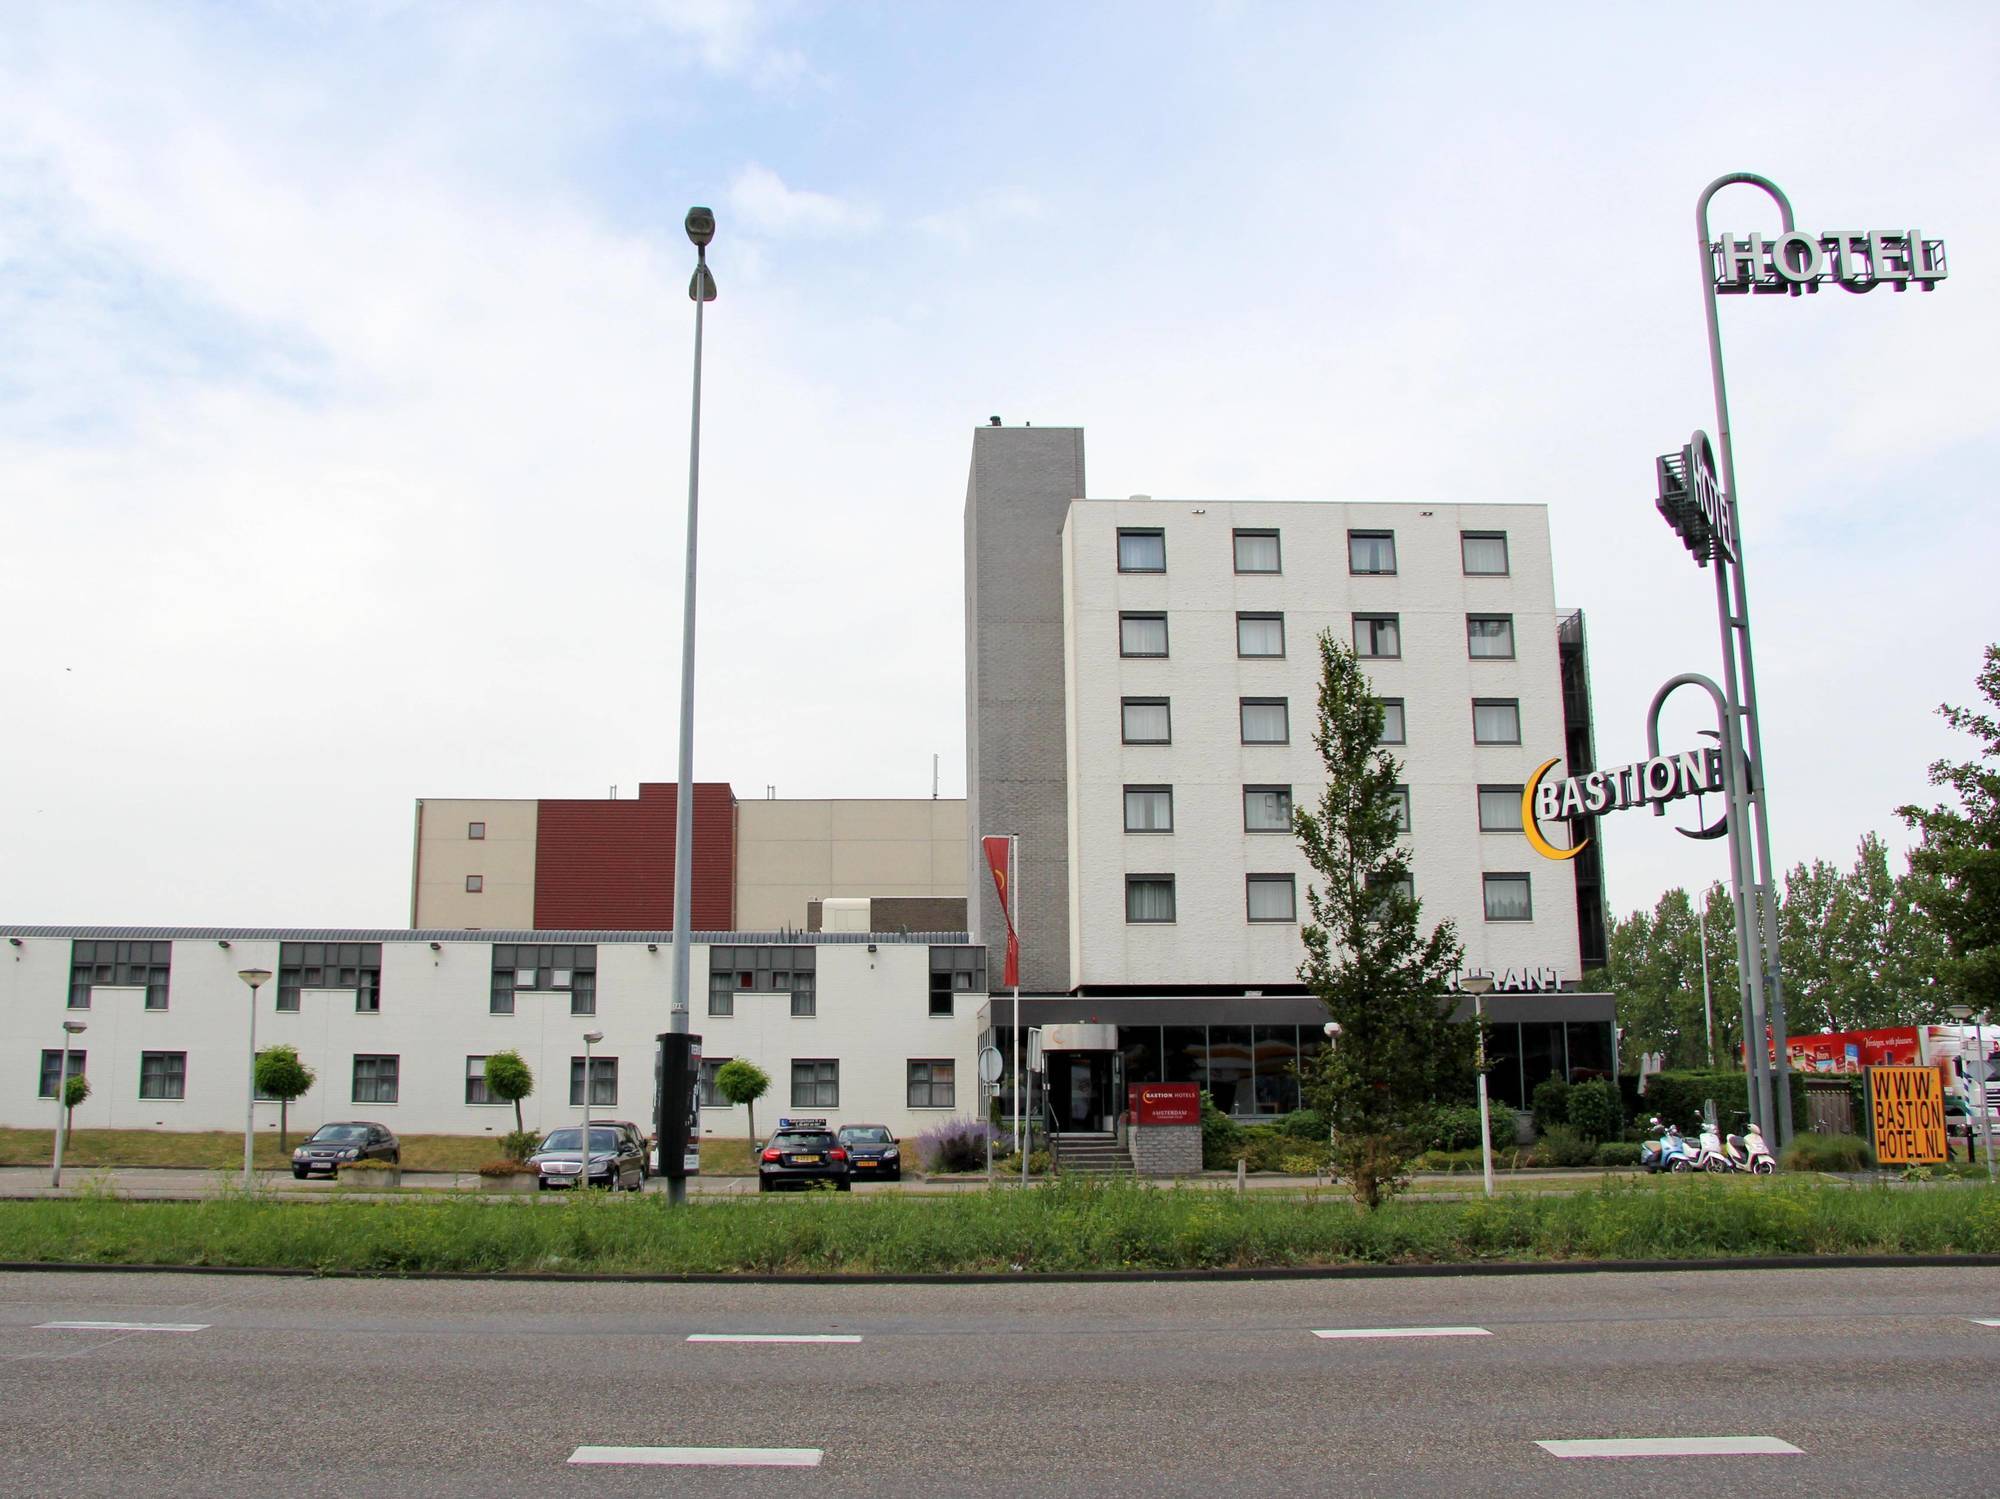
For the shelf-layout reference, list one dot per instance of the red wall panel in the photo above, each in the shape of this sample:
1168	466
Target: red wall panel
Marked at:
610	864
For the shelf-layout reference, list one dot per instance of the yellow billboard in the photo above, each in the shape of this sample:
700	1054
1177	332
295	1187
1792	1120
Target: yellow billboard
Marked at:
1906	1105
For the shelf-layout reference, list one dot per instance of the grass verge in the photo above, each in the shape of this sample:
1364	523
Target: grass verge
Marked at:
1068	1226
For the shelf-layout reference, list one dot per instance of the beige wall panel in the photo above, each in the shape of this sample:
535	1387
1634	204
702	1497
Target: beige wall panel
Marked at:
504	860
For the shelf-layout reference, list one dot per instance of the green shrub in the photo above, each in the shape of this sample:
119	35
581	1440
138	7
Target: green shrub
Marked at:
1221	1137
497	1169
1304	1124
1561	1145
519	1144
1549	1104
369	1166
1506	1124
1677	1097
1811	1152
1457	1128
1594	1110
1618	1153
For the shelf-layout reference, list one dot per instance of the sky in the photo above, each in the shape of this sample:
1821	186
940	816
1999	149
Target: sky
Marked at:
345	355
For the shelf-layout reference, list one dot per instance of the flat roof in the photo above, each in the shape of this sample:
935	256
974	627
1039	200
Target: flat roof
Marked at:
461	934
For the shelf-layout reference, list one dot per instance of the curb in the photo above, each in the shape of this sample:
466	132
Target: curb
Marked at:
1058	1277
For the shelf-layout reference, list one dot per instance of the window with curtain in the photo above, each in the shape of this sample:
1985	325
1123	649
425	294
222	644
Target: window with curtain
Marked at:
711	1096
52	1063
933	1085
1507	898
1147	720
1142	634
816	1084
1142	550
1267	809
1149	809
1496	720
1272	897
331	965
133	964
1402	794
1393	729
1490	635
1499	809
1257	551
376	1079
1149	897
1485	553
475	1081
1371	551
1377	635
1260	634
163	1074
1266	720
603	1082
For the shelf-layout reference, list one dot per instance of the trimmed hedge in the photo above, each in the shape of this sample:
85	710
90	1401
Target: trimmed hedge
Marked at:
1809	1152
1677	1097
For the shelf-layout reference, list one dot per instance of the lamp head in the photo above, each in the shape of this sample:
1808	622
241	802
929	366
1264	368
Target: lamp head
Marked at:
75	1027
256	978
1476	983
700	226
593	1037
1959	1012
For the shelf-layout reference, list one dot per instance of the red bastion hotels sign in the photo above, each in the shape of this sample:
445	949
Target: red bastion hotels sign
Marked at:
1165	1103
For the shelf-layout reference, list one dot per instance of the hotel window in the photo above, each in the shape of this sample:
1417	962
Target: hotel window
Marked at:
1507	898
1485	553
1371	551
375	1079
1271	897
1402	795
1149	809
129	964
1149	897
547	969
1499	809
1257	552
1393	729
1403	886
603	1082
1496	720
1377	635
1142	634
1267	809
474	883
1260	634
52	1064
331	965
1147	720
955	971
1490	636
816	1085
1142	550
762	970
475	1082
933	1085
163	1074
1266	720
475	831
711	1096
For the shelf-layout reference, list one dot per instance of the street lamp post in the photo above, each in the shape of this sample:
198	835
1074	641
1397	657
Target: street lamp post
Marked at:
700	227
256	978
1962	1013
1707	1008
1479	985
590	1039
70	1028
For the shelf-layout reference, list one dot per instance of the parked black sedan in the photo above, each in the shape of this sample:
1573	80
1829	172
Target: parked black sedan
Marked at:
872	1151
616	1159
803	1153
332	1146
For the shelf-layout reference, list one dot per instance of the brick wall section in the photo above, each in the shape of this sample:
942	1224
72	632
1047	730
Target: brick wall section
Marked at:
1166	1149
610	864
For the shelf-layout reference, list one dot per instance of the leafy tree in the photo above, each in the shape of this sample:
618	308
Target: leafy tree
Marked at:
510	1080
742	1081
76	1088
1957	864
1388	986
1654	967
281	1075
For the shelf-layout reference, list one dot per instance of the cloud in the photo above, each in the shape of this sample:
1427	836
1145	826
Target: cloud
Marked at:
760	196
961	225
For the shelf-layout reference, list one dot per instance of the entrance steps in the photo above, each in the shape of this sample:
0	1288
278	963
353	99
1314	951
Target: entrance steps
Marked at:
1091	1155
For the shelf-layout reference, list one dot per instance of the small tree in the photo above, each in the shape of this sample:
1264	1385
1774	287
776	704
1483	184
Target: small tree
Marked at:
76	1089
743	1082
1389	987
510	1080
281	1075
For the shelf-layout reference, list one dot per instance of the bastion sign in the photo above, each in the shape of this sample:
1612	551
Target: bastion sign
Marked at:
1858	260
1644	783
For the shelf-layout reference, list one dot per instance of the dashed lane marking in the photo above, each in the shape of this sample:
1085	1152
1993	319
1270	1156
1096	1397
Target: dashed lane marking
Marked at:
1669	1447
1401	1332
773	1337
121	1326
701	1457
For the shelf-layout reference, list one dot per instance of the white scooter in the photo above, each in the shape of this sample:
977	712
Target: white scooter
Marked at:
1748	1152
1710	1154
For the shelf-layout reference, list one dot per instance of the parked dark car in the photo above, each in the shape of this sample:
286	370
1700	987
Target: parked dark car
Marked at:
872	1151
332	1146
635	1137
615	1159
803	1153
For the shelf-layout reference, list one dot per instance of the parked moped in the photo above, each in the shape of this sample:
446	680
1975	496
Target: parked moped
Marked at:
1748	1152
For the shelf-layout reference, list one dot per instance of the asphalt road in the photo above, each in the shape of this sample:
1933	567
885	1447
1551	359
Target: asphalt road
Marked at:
383	1388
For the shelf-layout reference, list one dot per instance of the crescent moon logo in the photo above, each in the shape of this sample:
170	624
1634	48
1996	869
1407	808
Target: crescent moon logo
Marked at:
1536	841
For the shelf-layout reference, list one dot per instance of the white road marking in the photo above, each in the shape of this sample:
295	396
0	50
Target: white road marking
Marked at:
773	1337
122	1326
1401	1332
1987	1321
1669	1447
702	1457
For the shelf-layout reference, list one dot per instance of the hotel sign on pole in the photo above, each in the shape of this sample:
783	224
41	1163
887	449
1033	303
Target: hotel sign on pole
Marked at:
1857	260
1645	783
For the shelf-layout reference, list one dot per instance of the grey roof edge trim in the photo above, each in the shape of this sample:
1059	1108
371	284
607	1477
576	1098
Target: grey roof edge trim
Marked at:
457	934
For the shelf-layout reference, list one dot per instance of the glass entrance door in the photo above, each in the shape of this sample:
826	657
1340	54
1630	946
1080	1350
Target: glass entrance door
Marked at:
1080	1090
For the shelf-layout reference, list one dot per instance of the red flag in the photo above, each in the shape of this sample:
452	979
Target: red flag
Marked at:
997	848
